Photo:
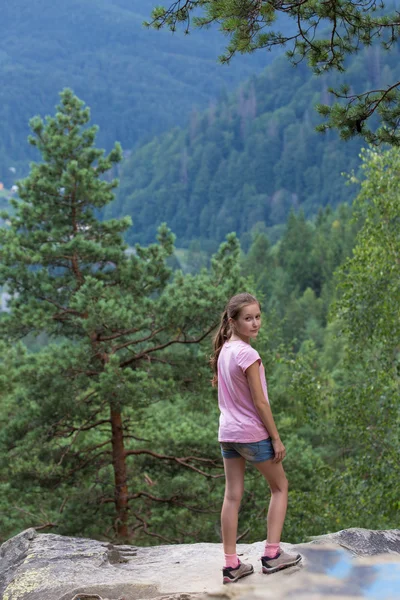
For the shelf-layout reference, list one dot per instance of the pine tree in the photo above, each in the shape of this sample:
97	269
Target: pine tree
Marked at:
123	328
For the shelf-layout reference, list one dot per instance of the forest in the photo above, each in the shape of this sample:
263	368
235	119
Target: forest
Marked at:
257	148
108	419
138	82
115	264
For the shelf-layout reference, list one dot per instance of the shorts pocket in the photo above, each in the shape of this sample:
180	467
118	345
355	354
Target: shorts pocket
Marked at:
250	451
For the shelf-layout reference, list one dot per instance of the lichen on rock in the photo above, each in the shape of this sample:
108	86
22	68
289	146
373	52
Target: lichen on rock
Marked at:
29	581
52	567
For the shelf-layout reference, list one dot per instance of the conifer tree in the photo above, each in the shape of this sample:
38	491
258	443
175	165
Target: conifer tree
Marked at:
123	328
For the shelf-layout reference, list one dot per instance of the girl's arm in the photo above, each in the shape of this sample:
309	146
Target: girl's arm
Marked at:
264	410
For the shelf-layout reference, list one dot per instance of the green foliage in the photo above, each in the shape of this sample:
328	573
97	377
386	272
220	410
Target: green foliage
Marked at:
336	395
113	318
323	34
370	281
129	338
245	163
138	82
296	274
369	311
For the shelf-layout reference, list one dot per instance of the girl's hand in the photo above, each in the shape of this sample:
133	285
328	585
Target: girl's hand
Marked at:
280	450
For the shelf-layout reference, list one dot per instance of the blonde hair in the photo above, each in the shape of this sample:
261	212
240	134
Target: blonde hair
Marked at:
232	311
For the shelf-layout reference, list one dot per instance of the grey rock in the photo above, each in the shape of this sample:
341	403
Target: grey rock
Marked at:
328	573
13	554
364	542
51	567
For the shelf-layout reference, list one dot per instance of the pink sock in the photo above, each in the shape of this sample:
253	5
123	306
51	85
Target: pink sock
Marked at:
231	560
271	550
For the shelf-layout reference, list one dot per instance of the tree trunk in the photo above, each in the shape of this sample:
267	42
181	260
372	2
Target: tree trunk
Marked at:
119	464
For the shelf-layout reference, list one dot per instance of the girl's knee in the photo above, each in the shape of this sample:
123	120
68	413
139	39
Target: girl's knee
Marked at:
281	486
234	495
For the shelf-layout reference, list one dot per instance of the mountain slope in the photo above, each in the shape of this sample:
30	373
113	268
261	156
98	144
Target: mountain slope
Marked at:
248	159
138	82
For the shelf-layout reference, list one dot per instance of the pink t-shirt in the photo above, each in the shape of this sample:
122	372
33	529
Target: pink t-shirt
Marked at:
239	420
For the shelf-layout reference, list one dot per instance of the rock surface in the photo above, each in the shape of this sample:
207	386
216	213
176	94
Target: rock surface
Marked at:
364	542
353	563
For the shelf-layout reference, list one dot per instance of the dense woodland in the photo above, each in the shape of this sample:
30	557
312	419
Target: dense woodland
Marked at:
108	420
138	82
249	158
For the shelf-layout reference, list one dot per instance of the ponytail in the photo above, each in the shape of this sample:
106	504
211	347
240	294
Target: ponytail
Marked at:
232	310
219	340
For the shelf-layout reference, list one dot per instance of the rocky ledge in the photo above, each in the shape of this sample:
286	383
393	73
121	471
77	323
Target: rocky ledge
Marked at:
353	563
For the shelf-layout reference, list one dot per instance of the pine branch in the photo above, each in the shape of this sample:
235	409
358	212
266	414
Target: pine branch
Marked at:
372	104
143	354
171	500
132	342
117	335
145	526
180	461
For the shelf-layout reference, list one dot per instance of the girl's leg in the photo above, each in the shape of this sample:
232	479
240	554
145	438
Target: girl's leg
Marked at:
276	478
234	486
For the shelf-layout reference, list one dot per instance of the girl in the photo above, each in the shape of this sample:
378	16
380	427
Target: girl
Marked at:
247	432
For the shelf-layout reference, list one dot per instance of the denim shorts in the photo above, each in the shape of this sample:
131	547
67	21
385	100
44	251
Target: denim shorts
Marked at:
253	452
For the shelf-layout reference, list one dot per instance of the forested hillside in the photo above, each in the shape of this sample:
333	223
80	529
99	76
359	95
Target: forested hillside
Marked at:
249	158
108	421
138	82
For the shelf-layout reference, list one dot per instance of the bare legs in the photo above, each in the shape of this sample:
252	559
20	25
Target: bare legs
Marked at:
276	479
234	486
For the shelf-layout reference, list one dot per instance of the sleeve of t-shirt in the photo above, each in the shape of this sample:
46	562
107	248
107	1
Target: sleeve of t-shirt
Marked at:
246	357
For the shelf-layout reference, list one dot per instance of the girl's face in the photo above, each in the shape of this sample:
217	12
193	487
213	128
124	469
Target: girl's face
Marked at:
248	323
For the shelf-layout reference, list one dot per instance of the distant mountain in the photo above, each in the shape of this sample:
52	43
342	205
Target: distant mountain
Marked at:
250	158
138	82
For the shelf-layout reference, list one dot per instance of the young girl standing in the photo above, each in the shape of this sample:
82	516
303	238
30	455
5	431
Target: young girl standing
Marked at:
247	432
